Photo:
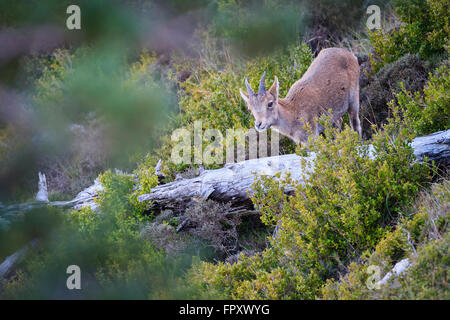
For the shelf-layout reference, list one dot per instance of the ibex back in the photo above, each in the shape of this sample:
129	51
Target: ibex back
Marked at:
330	83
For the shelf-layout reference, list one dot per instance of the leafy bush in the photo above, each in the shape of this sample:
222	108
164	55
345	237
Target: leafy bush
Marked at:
339	16
265	275
409	70
425	31
430	111
210	222
255	26
241	23
423	238
115	263
115	260
121	191
344	208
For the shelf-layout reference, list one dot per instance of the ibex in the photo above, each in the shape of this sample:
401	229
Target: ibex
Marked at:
330	83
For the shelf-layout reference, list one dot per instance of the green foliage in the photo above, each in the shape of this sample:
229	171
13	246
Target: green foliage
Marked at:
125	99
264	26
428	112
256	27
409	70
343	209
121	191
428	278
19	228
116	262
266	275
425	31
423	238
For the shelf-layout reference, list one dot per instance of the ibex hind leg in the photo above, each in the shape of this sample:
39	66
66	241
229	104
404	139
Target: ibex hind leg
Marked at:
353	112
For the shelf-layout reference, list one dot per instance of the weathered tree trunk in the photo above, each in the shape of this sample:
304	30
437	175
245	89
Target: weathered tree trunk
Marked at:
232	183
436	147
7	267
83	199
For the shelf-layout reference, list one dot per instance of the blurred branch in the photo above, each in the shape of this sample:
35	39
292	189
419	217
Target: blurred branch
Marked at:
8	266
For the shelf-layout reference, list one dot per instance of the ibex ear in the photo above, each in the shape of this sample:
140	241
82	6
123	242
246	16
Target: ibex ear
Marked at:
244	95
274	88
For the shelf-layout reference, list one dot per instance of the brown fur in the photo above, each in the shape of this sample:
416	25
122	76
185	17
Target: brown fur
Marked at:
331	82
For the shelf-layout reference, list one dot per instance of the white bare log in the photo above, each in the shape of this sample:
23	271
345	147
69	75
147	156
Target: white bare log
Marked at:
233	182
85	198
436	147
42	195
399	268
8	266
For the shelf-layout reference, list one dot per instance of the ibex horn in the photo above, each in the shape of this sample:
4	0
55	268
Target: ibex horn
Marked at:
262	83
249	88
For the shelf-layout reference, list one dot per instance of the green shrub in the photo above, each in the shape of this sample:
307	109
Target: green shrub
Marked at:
263	26
425	31
115	263
265	275
428	277
430	111
121	191
409	70
115	260
423	238
255	27
344	208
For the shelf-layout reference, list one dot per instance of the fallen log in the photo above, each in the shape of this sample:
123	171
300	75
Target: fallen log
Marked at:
436	147
230	183
8	266
233	182
85	198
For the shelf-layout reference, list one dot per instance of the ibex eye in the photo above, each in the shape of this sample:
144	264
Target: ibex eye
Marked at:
270	105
